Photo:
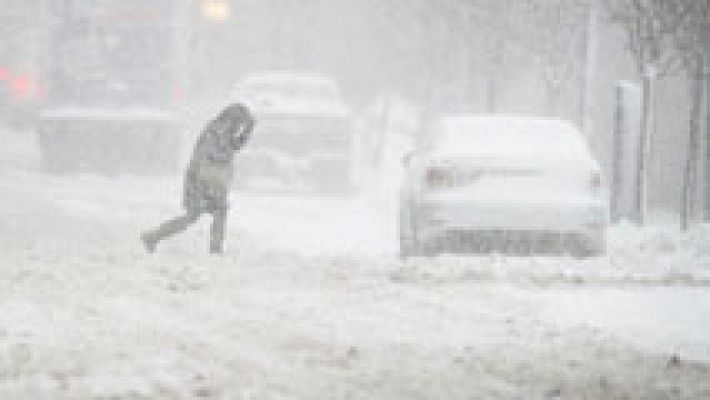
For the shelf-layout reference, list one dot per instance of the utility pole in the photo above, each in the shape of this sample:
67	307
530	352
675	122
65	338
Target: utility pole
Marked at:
706	174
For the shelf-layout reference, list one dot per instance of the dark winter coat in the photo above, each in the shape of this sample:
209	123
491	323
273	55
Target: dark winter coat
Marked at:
209	173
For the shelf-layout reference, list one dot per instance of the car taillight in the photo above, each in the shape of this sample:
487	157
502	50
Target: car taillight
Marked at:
595	180
437	177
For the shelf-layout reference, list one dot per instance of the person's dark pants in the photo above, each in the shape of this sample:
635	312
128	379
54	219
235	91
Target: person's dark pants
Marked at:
179	224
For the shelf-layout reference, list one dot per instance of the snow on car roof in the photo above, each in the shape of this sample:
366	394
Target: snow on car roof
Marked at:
289	92
506	134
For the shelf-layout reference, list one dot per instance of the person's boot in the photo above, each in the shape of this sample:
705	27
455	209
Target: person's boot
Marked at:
149	242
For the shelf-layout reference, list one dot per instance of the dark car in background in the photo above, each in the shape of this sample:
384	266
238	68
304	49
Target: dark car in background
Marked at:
112	76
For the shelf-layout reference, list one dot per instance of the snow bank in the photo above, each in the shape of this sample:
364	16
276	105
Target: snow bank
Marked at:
655	255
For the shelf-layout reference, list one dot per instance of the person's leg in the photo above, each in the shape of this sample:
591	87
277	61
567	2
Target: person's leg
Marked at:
168	228
219	222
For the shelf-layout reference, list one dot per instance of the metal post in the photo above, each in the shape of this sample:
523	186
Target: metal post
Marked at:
644	143
706	172
690	182
617	154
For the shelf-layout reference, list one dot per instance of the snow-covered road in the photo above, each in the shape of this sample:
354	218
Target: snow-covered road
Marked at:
309	302
672	319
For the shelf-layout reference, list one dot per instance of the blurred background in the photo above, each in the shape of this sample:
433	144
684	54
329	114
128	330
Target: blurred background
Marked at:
565	142
548	58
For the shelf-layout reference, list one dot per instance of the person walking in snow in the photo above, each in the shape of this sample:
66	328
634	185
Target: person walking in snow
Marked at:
208	177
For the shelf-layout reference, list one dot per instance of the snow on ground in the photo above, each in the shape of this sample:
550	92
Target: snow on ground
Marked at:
672	318
310	302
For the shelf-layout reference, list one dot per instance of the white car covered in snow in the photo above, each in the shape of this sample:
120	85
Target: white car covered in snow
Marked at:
304	136
518	185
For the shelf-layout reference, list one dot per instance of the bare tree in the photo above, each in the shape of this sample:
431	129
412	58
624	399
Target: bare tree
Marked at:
702	28
420	37
557	31
691	46
456	41
488	31
694	66
651	28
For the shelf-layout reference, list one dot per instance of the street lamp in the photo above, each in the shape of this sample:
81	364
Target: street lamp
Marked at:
216	10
